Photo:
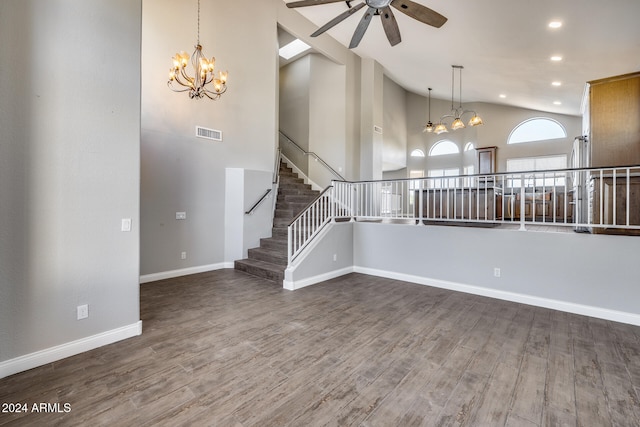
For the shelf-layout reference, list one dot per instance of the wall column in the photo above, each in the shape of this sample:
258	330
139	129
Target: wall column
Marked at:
372	79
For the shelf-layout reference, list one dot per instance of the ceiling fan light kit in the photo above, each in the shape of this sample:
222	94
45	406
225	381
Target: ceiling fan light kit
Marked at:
380	8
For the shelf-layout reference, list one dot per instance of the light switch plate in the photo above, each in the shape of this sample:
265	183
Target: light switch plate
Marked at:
126	224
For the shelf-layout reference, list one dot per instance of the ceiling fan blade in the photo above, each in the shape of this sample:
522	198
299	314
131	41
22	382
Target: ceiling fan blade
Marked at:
337	20
390	26
303	3
419	12
362	27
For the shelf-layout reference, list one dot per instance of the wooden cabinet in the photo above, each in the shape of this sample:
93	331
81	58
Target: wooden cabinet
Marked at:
614	120
546	207
610	202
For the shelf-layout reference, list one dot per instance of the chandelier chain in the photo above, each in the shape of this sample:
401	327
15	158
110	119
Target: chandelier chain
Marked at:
198	22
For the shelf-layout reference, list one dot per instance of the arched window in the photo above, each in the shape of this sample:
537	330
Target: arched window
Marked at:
470	146
443	147
417	153
537	129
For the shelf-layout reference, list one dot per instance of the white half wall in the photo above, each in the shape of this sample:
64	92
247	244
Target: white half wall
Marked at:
594	275
329	255
243	231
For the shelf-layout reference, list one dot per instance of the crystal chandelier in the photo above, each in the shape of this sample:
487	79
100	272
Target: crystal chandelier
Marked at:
180	81
456	113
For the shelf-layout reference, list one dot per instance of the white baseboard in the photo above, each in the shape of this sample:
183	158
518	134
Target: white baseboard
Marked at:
184	272
569	307
49	355
292	285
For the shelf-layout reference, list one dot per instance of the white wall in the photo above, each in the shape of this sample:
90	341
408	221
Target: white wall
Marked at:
294	102
244	188
295	24
69	172
313	108
595	275
394	135
328	121
329	255
372	116
179	171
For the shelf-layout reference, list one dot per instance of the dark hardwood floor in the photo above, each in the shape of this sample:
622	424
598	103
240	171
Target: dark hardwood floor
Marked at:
228	349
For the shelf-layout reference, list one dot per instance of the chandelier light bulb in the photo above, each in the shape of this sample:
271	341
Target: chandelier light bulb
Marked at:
440	128
457	124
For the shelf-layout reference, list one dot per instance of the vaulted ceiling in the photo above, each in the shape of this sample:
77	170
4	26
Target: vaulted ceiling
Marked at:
505	47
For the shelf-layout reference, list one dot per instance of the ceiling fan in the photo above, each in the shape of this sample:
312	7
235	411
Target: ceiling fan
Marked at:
381	8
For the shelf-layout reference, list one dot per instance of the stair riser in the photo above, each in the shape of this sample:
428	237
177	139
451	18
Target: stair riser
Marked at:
297	198
273	257
275	277
284	213
292	206
294	186
271	243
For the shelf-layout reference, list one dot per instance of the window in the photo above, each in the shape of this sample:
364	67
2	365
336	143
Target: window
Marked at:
470	146
417	153
532	164
444	147
443	183
538	129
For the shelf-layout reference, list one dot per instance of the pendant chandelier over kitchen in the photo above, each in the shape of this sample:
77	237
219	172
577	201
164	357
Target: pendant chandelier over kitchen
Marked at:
457	113
429	126
204	73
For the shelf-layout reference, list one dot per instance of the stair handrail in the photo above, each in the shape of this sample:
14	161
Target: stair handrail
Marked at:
311	153
276	167
259	202
308	223
310	204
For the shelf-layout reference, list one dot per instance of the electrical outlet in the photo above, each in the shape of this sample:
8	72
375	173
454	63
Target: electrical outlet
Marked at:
181	215
83	311
335	257
183	255
496	272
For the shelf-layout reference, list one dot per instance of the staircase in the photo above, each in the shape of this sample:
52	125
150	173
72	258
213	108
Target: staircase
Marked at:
270	259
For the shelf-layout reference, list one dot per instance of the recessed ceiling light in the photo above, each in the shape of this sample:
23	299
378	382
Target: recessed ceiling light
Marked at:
556	83
292	49
555	24
502	95
557	103
556	58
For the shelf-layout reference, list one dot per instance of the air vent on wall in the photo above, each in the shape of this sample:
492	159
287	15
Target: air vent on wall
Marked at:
212	134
